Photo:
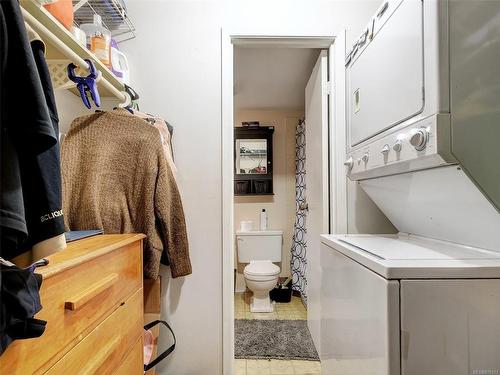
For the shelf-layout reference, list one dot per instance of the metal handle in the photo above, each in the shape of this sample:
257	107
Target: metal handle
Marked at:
303	206
363	38
372	29
383	9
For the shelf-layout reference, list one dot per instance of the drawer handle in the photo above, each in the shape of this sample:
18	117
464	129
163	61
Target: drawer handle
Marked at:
92	291
97	360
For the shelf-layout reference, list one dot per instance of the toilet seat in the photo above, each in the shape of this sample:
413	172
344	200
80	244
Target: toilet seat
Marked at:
260	268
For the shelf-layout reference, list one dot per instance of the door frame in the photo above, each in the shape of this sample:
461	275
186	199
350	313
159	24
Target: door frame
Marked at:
228	41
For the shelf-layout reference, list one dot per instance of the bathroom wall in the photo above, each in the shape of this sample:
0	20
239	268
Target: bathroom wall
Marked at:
280	207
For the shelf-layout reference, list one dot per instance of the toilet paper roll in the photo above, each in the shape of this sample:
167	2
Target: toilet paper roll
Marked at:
246	226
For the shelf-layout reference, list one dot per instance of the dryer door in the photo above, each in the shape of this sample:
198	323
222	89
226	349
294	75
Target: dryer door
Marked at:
385	80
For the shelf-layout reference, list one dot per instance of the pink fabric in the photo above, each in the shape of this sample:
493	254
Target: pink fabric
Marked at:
149	340
162	127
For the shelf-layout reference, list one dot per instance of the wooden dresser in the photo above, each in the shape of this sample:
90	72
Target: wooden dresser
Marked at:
92	298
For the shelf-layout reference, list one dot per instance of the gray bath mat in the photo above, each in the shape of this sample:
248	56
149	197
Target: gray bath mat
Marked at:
273	339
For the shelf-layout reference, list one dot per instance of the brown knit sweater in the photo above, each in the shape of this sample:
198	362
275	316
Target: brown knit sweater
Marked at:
116	178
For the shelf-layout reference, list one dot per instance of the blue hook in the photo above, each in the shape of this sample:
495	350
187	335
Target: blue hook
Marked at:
86	84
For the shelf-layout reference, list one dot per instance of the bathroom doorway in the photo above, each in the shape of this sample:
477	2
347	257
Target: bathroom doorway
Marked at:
280	86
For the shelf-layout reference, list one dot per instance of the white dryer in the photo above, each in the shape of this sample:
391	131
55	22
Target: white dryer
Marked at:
404	305
423	83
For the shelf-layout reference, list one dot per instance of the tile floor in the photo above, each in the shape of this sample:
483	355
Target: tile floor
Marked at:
293	310
274	367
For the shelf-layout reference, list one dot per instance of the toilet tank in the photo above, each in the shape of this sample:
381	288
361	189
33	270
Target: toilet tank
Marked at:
259	245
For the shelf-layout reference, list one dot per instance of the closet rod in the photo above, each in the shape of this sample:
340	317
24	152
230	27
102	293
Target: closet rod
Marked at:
37	25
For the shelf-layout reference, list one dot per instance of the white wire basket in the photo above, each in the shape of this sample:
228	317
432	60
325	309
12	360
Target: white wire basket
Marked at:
113	14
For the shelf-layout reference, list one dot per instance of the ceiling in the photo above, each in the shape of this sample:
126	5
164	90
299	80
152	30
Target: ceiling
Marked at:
271	78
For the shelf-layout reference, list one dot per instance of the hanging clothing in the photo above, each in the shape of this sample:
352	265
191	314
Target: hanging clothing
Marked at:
298	263
116	178
19	303
30	209
165	134
46	169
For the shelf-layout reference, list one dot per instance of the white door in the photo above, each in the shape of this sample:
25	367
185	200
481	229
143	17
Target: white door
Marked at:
316	120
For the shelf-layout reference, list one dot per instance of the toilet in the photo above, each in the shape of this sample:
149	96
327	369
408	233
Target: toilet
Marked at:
259	249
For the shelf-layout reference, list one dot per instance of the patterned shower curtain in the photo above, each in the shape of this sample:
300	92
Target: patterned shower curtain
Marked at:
299	243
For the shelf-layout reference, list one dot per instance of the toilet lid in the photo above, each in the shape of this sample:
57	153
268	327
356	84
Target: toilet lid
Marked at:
261	267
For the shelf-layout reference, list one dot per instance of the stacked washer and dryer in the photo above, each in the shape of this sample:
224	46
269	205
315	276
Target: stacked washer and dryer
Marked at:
423	133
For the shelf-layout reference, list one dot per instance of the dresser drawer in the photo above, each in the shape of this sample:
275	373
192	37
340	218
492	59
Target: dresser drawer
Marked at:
108	345
133	364
75	300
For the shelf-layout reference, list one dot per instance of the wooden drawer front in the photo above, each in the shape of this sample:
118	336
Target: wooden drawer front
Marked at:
103	350
74	302
133	363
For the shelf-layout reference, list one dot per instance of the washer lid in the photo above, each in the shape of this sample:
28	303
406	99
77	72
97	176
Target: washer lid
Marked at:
261	268
406	256
390	248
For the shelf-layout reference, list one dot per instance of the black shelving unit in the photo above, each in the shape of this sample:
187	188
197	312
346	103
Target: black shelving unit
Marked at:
250	179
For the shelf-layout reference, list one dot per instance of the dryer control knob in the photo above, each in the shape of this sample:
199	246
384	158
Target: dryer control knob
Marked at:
397	146
419	139
365	157
349	162
385	150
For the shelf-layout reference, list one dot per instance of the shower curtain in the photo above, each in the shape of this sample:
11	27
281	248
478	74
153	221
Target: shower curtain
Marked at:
299	244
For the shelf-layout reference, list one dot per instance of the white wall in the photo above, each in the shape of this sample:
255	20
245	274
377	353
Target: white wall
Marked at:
176	68
299	17
70	106
269	78
175	62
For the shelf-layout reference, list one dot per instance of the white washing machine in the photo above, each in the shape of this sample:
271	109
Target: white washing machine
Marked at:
405	305
423	116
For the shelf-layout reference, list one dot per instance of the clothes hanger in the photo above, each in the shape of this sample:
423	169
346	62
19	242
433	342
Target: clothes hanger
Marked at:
131	97
133	94
134	97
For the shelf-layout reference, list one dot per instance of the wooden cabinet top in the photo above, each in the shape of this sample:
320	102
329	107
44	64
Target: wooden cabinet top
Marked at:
84	250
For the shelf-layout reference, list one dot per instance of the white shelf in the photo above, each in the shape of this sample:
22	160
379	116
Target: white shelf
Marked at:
62	48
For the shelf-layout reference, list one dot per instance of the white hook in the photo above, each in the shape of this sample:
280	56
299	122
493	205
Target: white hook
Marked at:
99	76
128	100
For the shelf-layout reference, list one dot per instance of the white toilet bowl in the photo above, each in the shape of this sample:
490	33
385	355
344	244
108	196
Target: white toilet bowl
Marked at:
261	276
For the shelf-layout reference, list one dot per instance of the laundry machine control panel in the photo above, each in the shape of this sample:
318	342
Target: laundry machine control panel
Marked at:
421	145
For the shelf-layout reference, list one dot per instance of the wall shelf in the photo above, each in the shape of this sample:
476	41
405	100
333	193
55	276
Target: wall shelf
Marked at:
63	48
246	157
